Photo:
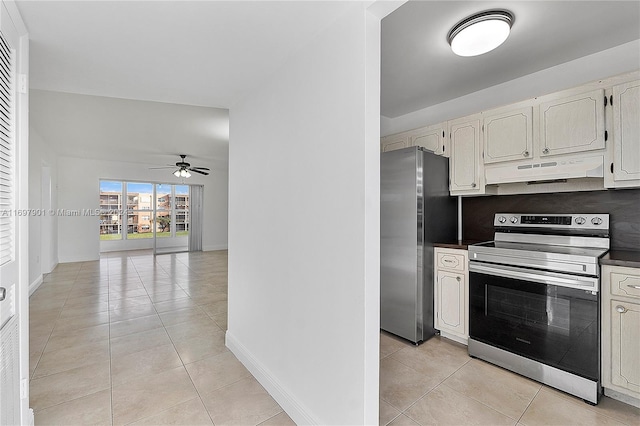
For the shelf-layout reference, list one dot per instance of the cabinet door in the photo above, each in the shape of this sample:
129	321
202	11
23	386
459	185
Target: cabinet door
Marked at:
393	142
430	138
450	302
625	345
572	124
465	156
626	131
508	135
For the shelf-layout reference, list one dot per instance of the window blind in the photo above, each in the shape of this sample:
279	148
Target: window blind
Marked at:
7	153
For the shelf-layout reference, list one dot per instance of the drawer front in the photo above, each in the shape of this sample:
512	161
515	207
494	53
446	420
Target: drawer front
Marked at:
625	284
455	262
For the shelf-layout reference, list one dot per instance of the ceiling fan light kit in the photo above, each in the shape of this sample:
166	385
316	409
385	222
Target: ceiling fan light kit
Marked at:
184	173
480	33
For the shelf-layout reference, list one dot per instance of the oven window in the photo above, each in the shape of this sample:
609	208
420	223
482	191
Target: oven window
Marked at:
543	312
554	325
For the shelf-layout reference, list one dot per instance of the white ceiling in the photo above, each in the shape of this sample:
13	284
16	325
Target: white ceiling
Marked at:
206	53
419	70
197	53
124	130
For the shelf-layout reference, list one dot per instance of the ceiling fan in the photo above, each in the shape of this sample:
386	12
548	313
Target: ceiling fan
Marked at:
184	168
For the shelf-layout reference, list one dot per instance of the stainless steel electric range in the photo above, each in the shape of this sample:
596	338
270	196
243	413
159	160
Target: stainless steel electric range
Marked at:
534	301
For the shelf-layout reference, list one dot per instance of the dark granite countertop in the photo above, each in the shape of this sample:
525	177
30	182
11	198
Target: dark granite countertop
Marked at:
457	244
628	258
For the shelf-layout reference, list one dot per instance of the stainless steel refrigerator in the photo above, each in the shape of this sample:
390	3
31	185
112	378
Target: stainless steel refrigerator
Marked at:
416	210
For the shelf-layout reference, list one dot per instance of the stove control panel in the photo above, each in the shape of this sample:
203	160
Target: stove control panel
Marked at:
559	221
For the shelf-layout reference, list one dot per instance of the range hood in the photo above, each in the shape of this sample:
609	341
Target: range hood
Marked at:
546	170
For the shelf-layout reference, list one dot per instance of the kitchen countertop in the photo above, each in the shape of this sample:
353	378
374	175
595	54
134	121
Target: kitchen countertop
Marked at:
628	258
457	244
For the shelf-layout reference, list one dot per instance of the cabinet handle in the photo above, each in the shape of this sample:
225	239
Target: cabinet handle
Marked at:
545	151
526	153
3	293
458	279
621	309
473	185
611	100
634	286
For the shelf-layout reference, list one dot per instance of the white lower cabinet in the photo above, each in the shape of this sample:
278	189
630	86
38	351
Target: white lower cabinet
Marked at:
621	330
451	293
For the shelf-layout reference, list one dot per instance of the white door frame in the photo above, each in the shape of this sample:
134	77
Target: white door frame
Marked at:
22	203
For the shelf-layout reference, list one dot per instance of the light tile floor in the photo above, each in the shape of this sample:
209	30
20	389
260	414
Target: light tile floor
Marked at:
133	339
437	383
138	339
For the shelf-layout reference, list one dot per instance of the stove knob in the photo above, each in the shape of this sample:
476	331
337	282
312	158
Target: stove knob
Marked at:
596	221
502	219
514	219
580	220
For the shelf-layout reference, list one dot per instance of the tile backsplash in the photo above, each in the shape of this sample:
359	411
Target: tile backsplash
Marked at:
623	207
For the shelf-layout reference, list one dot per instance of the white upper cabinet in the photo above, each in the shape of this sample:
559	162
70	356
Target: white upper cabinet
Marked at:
431	138
626	131
572	124
465	171
508	134
585	138
393	142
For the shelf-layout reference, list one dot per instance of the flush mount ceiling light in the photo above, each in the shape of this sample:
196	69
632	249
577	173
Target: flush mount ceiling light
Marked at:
480	33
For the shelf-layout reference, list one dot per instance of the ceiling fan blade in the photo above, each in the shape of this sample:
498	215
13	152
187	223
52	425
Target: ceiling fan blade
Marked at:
201	168
198	171
163	167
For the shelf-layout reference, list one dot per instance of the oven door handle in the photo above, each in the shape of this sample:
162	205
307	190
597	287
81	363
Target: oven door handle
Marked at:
583	283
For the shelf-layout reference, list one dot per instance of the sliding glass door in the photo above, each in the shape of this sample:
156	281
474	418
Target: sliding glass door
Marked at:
171	218
142	215
139	210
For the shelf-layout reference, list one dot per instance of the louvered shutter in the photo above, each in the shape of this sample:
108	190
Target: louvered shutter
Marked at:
7	153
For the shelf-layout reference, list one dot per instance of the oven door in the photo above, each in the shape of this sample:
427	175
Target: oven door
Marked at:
535	318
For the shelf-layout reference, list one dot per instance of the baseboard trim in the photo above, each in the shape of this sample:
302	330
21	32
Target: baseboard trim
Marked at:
31	420
455	338
79	259
294	408
619	396
35	284
53	265
215	247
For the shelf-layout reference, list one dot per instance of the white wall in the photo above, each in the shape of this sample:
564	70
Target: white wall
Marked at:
87	136
43	228
610	62
78	188
304	227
